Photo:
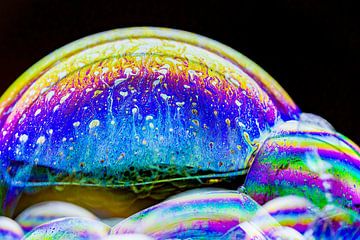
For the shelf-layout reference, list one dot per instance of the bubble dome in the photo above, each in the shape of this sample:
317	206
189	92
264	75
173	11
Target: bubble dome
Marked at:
119	121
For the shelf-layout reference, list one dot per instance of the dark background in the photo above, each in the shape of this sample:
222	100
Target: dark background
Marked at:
310	47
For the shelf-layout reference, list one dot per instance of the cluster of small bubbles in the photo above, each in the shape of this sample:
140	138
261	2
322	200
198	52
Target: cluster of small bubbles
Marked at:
194	214
149	133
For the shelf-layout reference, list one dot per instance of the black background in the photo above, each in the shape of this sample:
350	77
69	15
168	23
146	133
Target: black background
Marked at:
310	47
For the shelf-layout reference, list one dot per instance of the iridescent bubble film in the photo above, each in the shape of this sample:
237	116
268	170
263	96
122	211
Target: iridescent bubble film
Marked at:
9	229
136	108
130	236
309	161
71	228
335	223
292	211
48	211
286	233
154	133
193	216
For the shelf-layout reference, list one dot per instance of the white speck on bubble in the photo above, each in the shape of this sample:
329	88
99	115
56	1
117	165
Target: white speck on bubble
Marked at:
41	140
23	138
49	95
76	124
163	71
327	185
156	82
94	123
62	74
180	104
55	108
37	112
242	125
63	99
232	80
32	92
124	94
118	81
22	118
149	117
164	96
238	103
51	131
44	90
105	70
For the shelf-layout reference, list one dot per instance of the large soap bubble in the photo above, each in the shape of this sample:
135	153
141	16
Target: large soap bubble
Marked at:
132	116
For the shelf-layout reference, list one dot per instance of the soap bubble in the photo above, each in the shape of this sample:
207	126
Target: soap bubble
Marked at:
308	161
207	214
143	113
70	228
9	229
47	211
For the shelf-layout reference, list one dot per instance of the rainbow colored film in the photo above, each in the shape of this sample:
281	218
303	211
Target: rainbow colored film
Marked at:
308	161
154	133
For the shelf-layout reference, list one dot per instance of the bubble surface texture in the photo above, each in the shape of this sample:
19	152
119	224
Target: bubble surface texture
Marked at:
136	108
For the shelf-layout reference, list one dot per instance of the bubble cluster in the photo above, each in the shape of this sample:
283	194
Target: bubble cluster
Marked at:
152	133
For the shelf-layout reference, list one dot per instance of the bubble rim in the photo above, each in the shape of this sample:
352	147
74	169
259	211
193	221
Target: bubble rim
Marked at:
270	85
